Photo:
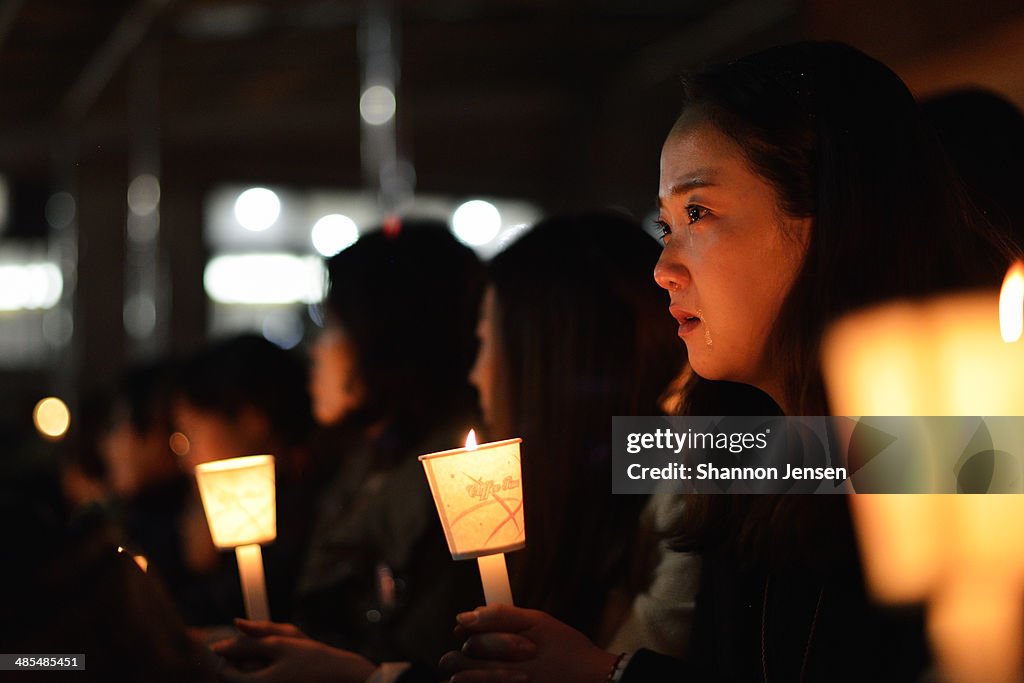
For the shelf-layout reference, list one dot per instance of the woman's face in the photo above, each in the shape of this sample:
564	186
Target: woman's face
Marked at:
730	254
334	386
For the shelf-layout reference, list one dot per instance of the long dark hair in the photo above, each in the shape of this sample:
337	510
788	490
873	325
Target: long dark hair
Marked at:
842	141
582	336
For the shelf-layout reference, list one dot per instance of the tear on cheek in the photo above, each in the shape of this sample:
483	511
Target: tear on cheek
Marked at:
707	330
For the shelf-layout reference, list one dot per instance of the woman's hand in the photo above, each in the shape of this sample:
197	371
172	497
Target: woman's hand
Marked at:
512	645
267	652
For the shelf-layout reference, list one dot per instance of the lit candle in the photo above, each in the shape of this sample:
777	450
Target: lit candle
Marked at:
479	496
239	500
963	554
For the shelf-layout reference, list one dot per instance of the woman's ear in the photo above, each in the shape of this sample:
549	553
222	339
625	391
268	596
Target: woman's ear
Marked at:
799	231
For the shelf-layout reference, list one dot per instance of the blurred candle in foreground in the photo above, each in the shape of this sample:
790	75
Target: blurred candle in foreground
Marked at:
1011	304
479	496
963	554
239	500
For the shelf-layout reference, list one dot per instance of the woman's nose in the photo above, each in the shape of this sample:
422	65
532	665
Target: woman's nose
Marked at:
669	273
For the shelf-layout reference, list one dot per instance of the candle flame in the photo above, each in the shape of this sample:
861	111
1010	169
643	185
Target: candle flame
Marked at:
471	440
1011	303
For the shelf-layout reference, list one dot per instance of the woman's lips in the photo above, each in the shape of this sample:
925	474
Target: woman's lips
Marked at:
687	326
688	321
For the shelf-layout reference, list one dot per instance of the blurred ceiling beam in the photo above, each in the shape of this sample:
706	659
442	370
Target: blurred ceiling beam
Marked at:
125	37
702	41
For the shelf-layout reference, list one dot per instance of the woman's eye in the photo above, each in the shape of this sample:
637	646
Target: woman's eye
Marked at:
695	212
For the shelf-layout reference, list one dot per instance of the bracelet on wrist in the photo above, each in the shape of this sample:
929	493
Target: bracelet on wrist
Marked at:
619	668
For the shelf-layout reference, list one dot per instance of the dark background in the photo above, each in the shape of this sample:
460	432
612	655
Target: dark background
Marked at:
563	103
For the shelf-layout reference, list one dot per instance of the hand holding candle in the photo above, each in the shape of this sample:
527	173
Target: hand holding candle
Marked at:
239	500
479	496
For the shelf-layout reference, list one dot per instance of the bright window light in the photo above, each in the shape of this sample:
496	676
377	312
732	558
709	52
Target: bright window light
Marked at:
257	209
332	233
476	222
265	279
30	286
377	105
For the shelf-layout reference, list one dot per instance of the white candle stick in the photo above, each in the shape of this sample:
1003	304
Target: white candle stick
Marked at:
494	575
254	586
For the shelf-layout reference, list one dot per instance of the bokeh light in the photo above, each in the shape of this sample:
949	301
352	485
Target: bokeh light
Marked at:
179	444
377	105
476	222
257	209
144	194
332	233
52	418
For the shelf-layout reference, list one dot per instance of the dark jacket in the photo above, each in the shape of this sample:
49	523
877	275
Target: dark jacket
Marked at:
379	578
792	614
